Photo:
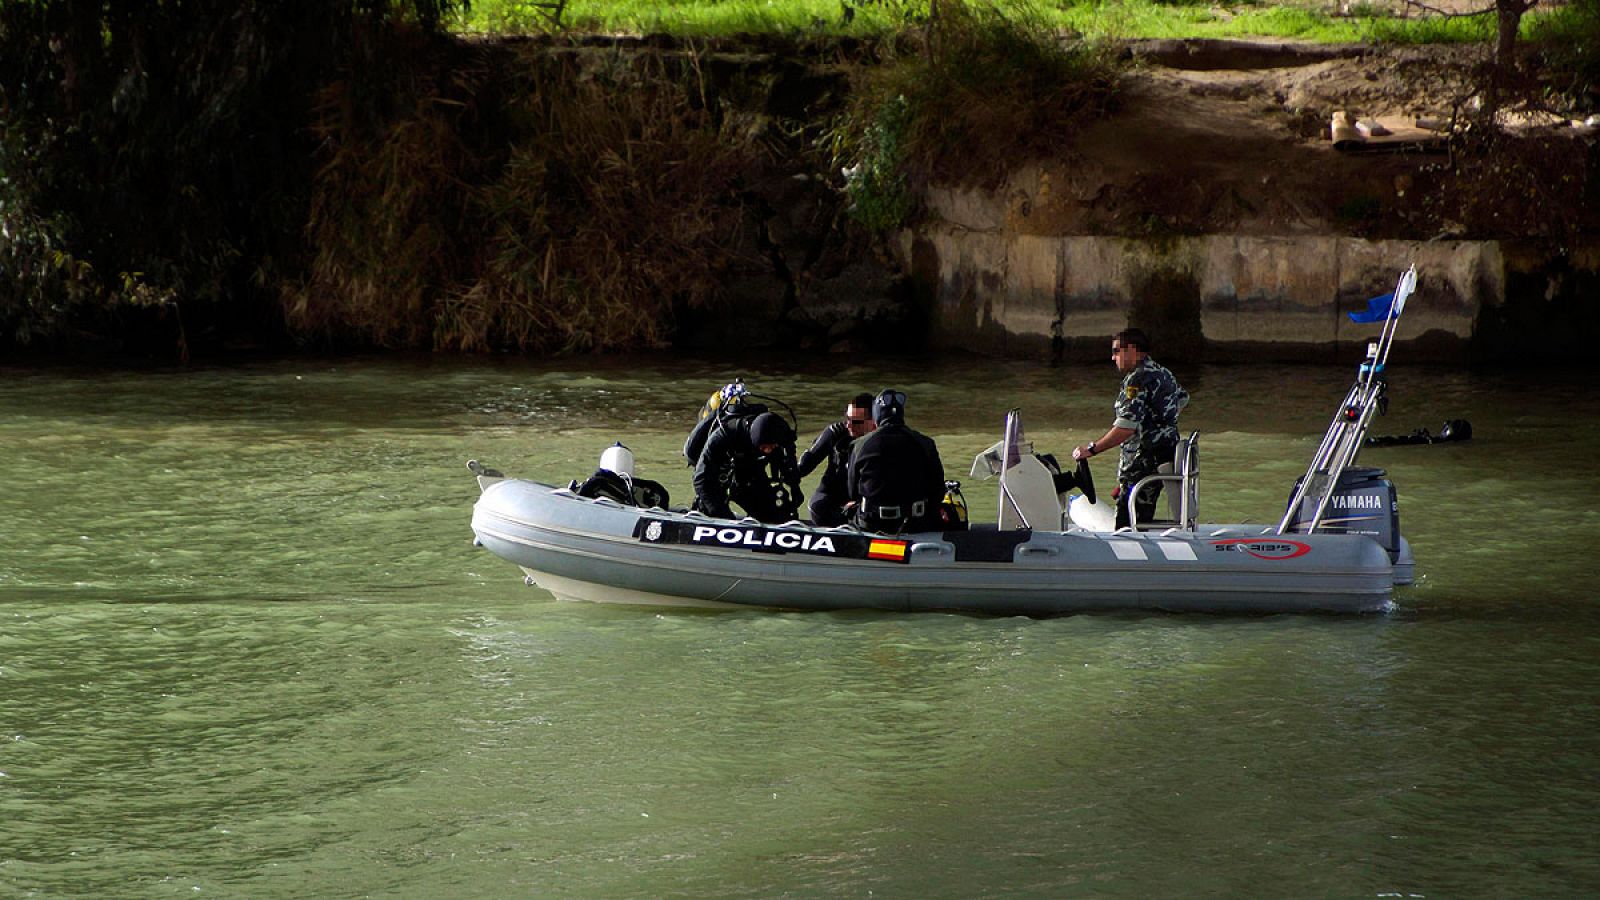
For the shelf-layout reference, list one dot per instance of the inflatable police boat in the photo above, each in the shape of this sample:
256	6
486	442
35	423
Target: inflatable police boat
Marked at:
1338	547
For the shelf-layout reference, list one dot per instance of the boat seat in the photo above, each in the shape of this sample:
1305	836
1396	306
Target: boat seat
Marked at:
1181	478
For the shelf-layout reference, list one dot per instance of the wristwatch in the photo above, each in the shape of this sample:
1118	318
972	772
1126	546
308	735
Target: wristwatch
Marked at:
1092	450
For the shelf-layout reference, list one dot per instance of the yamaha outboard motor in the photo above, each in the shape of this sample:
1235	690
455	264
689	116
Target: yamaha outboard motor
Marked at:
1336	496
1363	502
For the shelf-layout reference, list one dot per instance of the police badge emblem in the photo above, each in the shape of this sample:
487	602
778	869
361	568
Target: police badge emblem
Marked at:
653	532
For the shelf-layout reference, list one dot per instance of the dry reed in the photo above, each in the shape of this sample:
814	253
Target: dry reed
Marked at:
603	198
390	212
620	206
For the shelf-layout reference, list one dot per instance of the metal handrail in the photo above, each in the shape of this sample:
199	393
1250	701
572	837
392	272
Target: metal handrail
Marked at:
1187	478
1140	485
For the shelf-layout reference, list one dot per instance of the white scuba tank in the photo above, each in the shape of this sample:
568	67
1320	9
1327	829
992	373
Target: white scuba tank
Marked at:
618	460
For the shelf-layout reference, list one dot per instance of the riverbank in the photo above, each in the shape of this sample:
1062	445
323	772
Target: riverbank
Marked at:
1214	208
568	195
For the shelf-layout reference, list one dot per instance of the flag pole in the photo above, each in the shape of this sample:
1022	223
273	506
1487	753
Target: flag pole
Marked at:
1342	442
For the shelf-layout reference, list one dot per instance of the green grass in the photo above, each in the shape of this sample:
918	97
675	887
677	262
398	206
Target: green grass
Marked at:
1115	19
688	18
1144	19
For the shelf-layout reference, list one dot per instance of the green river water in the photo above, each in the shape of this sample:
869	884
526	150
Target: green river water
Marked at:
247	649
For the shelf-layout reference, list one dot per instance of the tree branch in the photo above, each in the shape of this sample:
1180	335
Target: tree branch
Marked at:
1446	14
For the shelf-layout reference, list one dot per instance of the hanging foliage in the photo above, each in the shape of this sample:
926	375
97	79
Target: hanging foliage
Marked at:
153	156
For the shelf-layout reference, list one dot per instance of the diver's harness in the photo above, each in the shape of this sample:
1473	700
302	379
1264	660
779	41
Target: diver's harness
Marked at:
951	512
897	516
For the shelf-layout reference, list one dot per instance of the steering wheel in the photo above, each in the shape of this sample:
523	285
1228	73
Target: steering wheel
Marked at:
1085	479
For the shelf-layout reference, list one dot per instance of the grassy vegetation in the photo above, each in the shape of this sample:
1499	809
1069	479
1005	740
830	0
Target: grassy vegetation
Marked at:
1145	19
987	89
154	159
1115	19
618	208
1569	40
698	18
520	200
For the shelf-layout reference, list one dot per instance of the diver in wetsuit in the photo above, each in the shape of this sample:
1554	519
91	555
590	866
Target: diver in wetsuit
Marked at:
833	445
749	461
896	479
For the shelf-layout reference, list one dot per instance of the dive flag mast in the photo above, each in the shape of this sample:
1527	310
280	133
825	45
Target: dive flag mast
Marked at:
1349	428
1011	453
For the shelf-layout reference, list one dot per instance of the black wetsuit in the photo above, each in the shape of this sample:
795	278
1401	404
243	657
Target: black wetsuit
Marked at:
832	493
731	468
893	472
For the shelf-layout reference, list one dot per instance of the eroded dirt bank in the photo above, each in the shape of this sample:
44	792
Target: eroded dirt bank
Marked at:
1213	208
1210	207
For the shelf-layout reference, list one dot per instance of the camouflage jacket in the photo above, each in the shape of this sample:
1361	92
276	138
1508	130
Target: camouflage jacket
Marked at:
1149	404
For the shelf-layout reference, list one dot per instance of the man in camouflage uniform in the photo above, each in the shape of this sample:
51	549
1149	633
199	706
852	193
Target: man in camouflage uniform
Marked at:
1146	425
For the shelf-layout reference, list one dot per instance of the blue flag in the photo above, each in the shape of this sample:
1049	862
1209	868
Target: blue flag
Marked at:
1378	309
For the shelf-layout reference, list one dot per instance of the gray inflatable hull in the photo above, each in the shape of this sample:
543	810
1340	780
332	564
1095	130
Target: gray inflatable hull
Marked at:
599	550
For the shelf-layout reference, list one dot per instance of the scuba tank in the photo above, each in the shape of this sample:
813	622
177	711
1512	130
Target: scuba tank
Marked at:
614	480
619	459
729	401
953	509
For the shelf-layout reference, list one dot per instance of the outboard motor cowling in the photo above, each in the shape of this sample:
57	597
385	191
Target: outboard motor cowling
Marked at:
1363	502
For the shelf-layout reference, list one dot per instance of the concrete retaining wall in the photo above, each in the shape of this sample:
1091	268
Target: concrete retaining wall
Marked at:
1223	297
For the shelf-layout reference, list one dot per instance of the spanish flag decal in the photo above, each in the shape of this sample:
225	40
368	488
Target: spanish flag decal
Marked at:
893	551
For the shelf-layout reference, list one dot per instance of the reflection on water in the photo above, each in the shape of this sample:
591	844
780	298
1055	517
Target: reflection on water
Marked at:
248	649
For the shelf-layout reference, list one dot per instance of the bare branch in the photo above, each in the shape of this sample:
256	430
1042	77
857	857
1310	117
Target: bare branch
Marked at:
1446	14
